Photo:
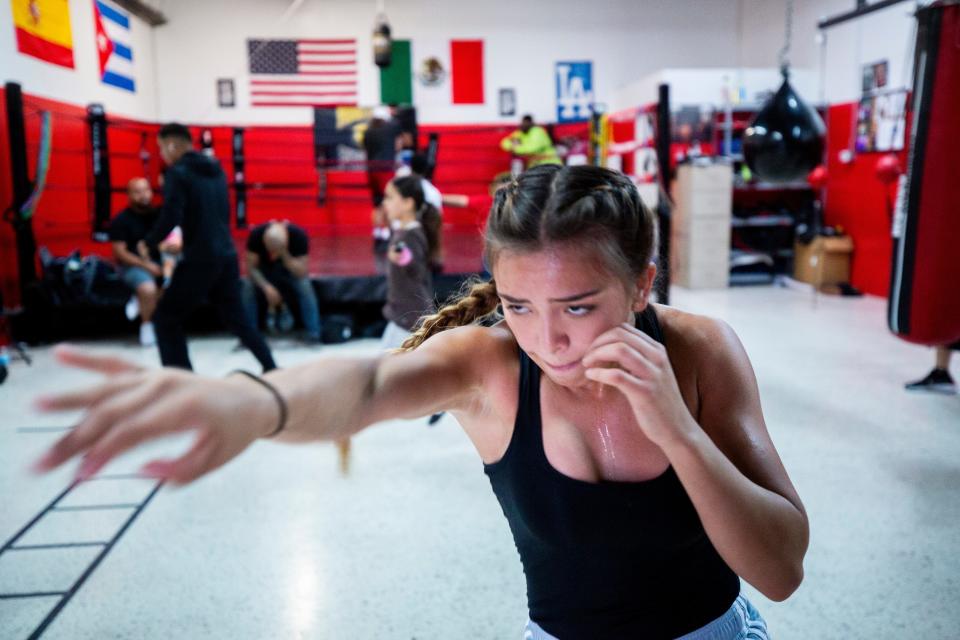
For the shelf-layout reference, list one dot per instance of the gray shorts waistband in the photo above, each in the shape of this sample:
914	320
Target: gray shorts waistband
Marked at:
740	622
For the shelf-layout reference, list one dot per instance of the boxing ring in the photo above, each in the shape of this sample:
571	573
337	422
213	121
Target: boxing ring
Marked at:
314	178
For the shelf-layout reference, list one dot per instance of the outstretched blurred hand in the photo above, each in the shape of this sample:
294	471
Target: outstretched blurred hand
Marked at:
135	405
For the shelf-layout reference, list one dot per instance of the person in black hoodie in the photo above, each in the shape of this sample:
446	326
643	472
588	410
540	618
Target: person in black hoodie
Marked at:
195	197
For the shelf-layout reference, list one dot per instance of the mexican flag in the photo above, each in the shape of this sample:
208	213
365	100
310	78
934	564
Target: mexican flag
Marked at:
437	72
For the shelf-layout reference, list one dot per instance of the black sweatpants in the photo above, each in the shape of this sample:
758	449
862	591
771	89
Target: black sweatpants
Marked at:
192	283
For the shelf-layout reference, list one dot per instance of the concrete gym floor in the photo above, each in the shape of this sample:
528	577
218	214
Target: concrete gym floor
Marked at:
412	544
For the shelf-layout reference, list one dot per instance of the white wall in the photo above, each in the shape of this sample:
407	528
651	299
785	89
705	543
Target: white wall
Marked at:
81	85
625	39
177	64
826	67
887	34
704	86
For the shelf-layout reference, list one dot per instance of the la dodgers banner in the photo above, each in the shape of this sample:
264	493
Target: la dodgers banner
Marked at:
574	91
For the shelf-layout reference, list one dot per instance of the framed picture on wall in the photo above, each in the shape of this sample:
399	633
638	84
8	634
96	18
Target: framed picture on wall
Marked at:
226	93
866	84
874	77
880	74
881	121
508	102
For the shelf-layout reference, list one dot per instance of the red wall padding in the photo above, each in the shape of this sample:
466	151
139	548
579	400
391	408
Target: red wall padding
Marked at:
859	202
280	174
62	218
469	156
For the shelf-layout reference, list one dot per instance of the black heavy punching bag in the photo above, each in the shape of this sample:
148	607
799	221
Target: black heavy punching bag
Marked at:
785	140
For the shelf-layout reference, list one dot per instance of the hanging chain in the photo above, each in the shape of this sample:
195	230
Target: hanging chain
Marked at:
784	58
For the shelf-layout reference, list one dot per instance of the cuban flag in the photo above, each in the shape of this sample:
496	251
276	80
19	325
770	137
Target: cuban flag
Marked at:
113	46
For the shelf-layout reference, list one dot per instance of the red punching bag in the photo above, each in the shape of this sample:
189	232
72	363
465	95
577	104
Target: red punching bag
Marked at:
924	303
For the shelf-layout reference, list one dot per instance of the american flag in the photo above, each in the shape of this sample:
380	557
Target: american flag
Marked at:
287	73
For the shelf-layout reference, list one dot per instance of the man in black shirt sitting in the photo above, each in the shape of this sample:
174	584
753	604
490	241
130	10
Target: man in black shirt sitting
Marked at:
129	227
278	275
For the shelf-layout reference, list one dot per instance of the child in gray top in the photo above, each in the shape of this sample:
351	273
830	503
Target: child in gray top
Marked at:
409	279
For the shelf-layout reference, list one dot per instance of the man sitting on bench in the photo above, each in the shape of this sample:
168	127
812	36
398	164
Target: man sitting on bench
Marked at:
278	277
129	227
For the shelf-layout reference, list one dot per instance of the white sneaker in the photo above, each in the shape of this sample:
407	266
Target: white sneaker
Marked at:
147	336
133	307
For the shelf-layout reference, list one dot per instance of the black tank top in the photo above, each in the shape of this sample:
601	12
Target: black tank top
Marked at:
607	559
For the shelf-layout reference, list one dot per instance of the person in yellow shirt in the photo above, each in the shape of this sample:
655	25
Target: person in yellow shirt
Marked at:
532	143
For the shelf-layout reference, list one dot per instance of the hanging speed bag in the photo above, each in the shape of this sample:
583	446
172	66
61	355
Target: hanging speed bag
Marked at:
784	141
924	302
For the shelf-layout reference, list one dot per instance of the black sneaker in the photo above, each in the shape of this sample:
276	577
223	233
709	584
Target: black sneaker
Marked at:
937	381
285	320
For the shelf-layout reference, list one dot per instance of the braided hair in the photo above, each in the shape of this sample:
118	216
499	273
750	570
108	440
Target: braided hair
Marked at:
550	205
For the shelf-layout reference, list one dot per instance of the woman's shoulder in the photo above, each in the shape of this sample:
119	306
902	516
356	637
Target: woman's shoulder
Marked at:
713	368
694	338
486	359
487	346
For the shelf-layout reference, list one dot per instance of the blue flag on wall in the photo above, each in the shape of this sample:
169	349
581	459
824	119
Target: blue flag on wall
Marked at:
574	91
114	48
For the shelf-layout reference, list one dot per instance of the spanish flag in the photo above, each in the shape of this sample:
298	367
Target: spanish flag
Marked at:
43	30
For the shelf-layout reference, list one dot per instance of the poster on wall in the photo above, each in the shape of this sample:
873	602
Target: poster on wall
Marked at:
43	30
114	45
574	91
881	122
338	134
874	76
508	102
226	93
881	115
